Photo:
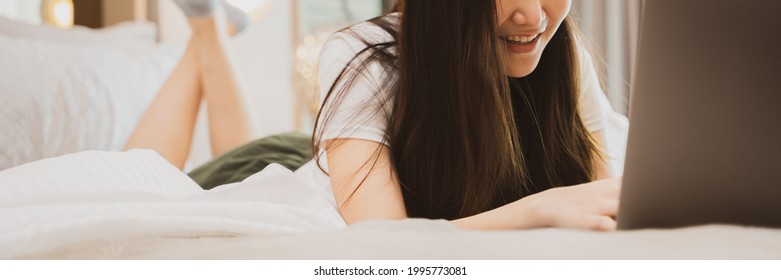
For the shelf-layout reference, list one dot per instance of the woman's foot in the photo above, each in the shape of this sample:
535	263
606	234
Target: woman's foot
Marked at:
237	19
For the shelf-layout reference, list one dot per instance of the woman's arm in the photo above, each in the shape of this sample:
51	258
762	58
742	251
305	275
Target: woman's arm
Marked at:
352	163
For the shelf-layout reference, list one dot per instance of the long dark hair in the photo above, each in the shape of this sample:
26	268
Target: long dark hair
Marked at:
464	138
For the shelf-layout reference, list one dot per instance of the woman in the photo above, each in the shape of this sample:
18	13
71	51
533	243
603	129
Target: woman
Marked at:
422	120
471	111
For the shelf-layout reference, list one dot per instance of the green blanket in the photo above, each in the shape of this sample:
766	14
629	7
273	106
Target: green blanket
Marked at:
291	150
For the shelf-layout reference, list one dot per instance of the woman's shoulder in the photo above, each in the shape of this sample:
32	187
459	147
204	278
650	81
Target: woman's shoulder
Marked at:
347	45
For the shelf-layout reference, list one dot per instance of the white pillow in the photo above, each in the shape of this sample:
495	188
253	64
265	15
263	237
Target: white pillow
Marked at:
60	97
126	35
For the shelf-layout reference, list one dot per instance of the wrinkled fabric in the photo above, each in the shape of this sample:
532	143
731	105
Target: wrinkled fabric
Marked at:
103	196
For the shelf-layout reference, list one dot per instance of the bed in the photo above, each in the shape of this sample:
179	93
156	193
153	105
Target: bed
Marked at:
135	205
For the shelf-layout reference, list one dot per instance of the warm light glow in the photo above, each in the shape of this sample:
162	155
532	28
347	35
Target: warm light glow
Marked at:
58	13
306	78
63	14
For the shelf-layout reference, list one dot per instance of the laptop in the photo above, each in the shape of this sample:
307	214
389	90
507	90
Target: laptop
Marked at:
704	142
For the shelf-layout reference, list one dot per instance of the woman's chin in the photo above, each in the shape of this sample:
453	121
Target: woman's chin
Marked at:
519	74
520	71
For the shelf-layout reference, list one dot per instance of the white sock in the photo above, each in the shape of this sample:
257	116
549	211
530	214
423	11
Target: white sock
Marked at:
236	16
204	8
197	8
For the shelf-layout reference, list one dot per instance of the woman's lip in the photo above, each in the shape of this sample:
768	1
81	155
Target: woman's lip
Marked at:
529	34
525	34
523	48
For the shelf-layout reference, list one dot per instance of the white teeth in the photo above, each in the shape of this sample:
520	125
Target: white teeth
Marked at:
521	39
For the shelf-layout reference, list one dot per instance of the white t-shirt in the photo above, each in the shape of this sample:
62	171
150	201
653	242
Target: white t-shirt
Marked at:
353	120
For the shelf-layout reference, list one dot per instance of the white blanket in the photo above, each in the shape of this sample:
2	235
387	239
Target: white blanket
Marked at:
93	196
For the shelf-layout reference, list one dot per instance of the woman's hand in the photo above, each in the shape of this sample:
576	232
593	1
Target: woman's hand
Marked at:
590	206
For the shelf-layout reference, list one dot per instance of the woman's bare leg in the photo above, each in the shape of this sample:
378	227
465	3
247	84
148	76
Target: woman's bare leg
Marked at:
204	71
228	123
167	125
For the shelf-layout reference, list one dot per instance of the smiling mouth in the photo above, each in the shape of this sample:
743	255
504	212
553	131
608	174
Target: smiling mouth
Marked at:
522	40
